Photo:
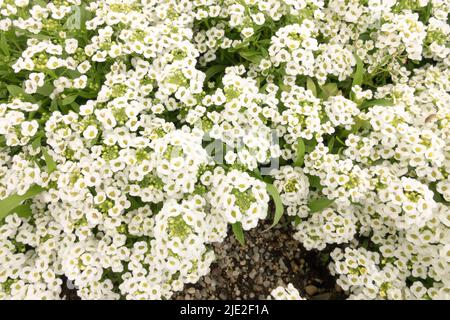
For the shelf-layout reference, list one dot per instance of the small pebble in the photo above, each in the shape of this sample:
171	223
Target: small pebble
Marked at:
311	290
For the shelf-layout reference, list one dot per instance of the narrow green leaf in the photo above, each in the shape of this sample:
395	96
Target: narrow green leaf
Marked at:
329	90
340	141
251	56
426	12
4	44
311	86
212	71
18	92
45	90
75	107
264	52
359	123
319	204
297	220
310	146
13	201
265	42
37	140
314	182
358	76
24	210
69	99
300	153
279	209
376	102
257	173
51	164
331	144
54	106
15	91
238	233
41	3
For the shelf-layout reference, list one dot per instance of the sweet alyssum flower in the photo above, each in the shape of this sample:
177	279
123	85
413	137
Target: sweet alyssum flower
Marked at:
134	133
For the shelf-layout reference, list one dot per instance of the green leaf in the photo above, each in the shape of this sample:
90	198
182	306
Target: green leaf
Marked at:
310	146
358	76
69	99
238	233
18	92
426	12
75	107
51	164
54	106
376	102
300	153
251	56
15	91
37	140
13	201
319	204
24	210
257	174
4	44
340	141
314	182
311	86
41	3
331	144
359	123
279	209
329	90
211	71
45	90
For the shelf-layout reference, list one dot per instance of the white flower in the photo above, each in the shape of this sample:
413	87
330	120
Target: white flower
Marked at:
29	128
90	132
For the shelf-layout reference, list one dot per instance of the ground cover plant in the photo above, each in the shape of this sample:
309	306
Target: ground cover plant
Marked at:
134	134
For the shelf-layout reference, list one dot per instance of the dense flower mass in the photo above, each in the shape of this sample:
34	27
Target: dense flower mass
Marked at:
135	133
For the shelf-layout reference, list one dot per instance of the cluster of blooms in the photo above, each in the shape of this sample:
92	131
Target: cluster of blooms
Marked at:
329	226
293	186
108	108
238	196
237	115
285	293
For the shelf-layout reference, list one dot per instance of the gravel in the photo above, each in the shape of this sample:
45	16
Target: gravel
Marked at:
267	260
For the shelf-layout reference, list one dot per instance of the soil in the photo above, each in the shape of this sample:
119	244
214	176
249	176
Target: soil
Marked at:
267	260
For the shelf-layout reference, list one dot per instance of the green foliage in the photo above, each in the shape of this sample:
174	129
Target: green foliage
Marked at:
238	233
310	85
376	102
329	90
50	163
358	76
319	204
300	153
13	201
279	209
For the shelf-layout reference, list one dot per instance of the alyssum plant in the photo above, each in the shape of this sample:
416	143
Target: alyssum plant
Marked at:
105	178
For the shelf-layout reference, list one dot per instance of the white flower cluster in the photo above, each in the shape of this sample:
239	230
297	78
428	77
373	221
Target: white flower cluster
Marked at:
293	186
237	196
107	113
329	226
285	293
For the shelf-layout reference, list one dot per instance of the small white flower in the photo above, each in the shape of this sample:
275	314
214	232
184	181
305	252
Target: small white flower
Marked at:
90	132
29	128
